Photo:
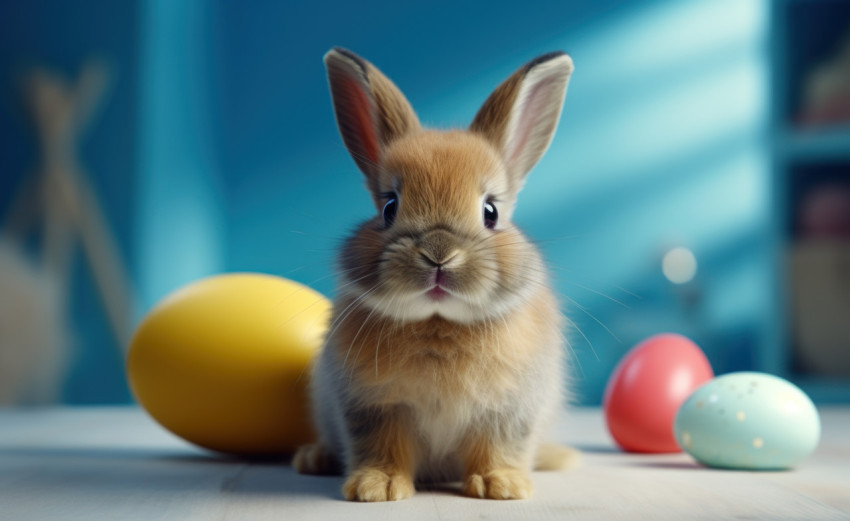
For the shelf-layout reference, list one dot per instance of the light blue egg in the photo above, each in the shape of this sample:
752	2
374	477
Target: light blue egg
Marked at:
748	420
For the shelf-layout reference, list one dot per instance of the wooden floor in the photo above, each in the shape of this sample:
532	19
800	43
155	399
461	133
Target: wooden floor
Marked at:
116	464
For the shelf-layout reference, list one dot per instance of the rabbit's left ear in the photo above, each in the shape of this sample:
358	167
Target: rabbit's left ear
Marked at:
520	116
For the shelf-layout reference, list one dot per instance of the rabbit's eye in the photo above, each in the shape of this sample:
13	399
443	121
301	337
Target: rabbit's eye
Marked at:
390	209
490	215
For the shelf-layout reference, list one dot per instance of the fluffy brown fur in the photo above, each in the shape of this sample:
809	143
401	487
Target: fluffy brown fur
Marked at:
445	357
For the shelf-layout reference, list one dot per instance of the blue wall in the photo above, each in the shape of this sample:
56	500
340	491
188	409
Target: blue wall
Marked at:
229	158
662	143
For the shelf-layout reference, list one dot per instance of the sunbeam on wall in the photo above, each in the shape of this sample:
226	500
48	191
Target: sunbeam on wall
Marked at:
663	144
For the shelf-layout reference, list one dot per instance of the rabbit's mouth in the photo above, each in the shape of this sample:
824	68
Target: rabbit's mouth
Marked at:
437	293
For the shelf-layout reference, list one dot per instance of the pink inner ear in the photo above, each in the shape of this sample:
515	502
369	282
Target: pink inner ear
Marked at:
358	118
530	115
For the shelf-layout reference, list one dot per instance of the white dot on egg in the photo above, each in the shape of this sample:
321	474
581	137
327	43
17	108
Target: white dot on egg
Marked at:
713	398
686	439
758	443
679	265
741	416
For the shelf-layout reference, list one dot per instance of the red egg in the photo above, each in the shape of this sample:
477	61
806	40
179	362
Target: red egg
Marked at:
647	388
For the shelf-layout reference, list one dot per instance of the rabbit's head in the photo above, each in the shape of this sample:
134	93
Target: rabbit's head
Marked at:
442	242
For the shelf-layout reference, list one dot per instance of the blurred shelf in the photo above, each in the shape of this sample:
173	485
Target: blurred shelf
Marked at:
804	35
824	390
816	144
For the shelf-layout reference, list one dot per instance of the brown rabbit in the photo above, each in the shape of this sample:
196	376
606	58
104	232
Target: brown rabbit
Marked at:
445	357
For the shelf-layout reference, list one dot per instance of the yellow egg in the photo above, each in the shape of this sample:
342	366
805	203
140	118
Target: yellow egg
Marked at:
223	362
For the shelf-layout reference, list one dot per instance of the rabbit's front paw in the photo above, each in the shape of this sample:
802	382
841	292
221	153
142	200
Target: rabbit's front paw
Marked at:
370	484
498	484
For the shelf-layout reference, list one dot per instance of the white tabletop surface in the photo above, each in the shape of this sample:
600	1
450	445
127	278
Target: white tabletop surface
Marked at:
113	464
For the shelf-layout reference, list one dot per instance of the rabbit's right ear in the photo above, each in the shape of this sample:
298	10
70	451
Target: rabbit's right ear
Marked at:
370	110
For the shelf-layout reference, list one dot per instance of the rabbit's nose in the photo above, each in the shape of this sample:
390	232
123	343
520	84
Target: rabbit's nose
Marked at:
438	248
438	262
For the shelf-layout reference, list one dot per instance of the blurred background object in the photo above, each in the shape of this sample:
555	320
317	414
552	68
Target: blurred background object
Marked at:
59	202
811	70
694	160
826	96
34	336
